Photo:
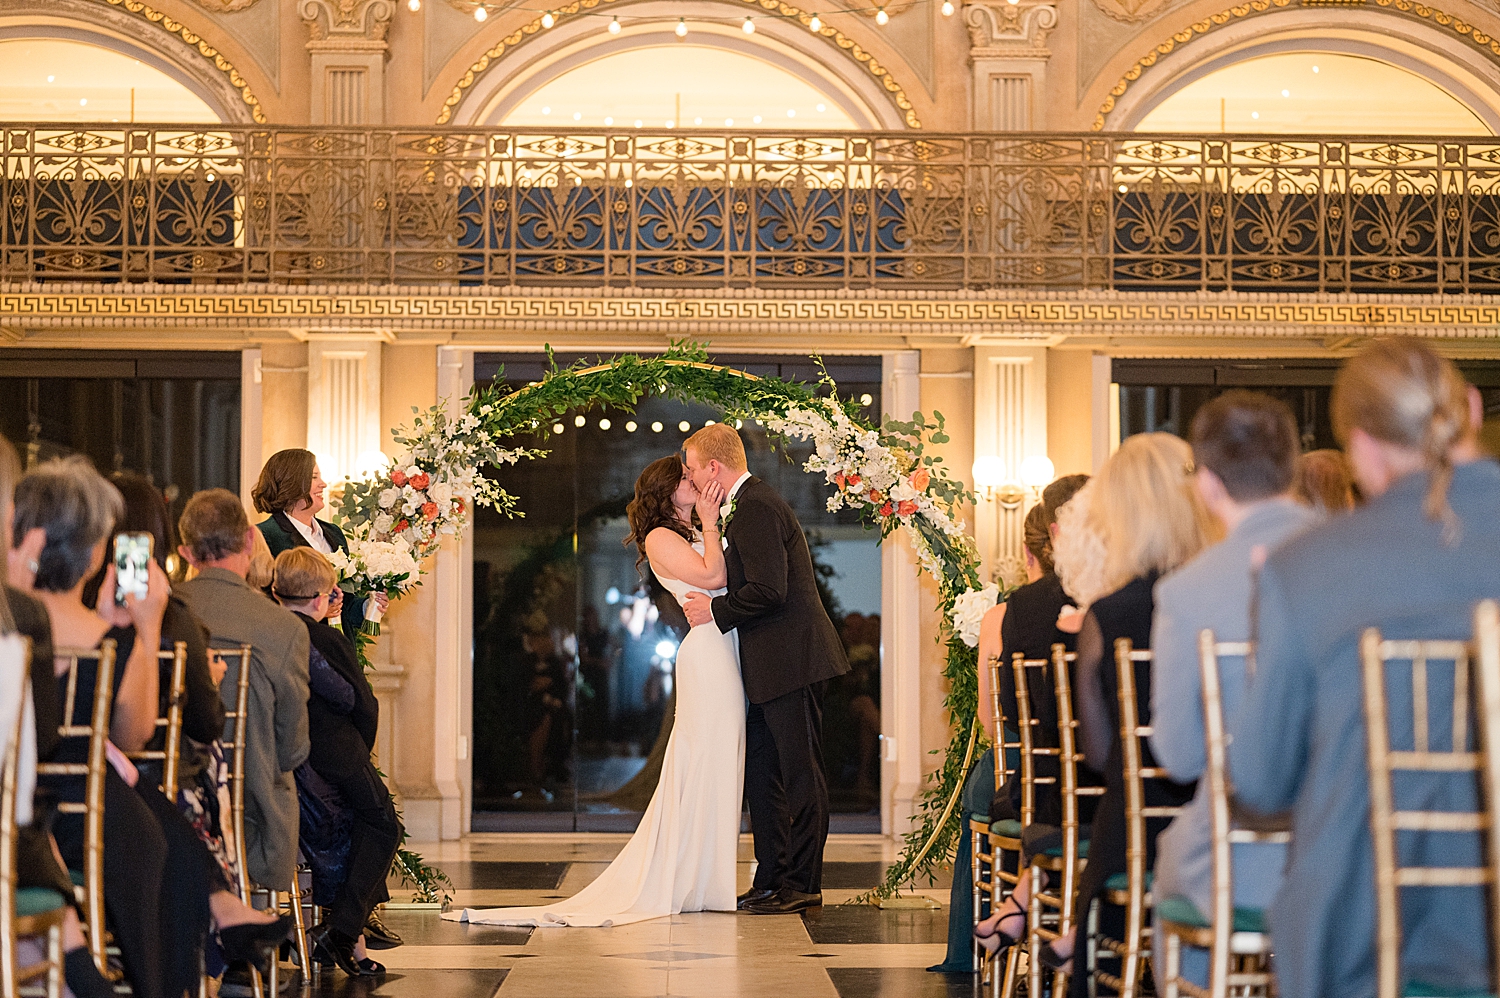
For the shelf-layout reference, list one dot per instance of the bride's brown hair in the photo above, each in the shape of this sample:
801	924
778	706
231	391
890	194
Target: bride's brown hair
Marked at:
652	506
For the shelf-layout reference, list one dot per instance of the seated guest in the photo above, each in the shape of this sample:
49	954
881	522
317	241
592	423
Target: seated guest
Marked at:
36	859
1413	562
1324	482
161	886
216	540
291	489
1245	449
1151	522
342	715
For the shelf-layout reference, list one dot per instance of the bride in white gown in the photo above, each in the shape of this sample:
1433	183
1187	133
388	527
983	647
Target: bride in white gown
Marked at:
682	856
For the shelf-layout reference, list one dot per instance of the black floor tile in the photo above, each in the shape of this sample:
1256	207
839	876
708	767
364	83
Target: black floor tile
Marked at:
902	982
427	928
468	875
863	876
410	984
834	923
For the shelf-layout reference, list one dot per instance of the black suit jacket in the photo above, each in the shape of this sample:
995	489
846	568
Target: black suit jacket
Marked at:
280	533
341	743
786	638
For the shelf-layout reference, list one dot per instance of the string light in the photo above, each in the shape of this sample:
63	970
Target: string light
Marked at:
557	427
947	8
547	19
480	14
748	27
656	427
881	17
630	426
579	421
413	5
815	25
684	426
604	424
614	25
681	27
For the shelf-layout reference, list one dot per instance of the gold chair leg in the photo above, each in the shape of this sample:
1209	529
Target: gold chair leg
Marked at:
1173	968
1033	939
300	928
55	961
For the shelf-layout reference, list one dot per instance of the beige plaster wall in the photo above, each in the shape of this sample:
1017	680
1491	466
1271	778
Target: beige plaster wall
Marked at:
947	387
283	396
1070	411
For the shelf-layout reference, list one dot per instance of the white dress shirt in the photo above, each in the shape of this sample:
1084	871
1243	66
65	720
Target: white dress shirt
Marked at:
738	482
314	534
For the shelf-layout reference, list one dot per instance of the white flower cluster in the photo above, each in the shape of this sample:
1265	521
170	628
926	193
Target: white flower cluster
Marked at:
969	610
388	566
867	472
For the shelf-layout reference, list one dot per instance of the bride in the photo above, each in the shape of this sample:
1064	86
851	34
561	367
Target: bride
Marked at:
682	856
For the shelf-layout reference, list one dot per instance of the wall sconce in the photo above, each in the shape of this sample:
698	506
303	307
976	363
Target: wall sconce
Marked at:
991	481
1036	472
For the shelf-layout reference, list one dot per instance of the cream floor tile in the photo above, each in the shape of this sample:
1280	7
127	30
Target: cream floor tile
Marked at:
410	957
750	979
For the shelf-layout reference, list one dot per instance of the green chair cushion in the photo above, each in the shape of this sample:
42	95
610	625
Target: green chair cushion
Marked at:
1083	850
1121	882
76	876
1010	828
1419	989
1179	909
37	901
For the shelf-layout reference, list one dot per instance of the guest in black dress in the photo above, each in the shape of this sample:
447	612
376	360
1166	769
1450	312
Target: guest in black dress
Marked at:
1152	521
342	715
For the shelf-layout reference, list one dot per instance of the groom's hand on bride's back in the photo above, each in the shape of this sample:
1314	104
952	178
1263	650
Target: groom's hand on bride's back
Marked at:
699	608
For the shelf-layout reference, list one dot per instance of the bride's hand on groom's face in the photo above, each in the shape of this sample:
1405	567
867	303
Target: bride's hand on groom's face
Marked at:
709	498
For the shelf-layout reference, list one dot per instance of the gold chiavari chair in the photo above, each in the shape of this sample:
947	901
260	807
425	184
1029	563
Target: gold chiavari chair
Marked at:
234	745
170	724
1391	877
996	844
24	911
1238	944
91	890
1066	860
1130	890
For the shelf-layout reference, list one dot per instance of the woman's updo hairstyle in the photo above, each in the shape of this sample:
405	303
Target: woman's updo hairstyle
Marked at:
1399	391
1037	536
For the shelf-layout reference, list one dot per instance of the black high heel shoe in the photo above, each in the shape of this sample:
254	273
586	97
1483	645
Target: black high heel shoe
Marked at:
1006	939
333	947
254	942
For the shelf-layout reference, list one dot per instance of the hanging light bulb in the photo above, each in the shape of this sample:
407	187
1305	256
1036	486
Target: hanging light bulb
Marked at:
614	25
815	24
480	13
413	5
681	27
947	8
748	27
881	17
548	20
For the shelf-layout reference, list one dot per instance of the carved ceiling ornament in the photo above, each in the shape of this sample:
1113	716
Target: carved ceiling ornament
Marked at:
331	19
226	6
1004	25
1131	11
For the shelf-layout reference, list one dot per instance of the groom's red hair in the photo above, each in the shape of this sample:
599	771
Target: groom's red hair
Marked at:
721	443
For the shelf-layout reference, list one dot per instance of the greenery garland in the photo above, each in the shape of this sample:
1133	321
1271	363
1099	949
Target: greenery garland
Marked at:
397	517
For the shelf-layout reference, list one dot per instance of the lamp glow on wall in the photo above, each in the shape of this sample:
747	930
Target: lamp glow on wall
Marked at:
1036	472
992	481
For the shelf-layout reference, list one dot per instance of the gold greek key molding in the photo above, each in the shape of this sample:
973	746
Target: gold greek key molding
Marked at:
176	27
1477	38
1042	316
834	36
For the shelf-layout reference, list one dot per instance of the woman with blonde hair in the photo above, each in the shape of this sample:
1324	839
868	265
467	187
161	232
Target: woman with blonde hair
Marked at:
1413	562
1150	520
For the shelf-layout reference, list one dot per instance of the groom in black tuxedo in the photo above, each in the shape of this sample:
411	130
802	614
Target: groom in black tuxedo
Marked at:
788	652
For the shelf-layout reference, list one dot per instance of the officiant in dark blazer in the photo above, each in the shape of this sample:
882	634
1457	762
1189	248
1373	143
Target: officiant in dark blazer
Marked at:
788	652
291	489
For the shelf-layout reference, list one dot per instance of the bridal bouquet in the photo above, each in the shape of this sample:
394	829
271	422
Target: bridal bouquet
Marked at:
388	566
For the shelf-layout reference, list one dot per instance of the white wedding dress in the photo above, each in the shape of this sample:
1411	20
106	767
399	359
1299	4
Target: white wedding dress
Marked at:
682	856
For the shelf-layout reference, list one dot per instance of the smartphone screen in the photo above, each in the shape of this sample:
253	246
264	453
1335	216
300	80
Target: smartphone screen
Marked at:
132	558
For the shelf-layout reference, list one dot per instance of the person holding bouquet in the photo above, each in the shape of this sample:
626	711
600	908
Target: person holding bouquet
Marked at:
291	489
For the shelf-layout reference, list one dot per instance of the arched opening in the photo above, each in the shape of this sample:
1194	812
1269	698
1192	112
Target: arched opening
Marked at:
678	86
1313	92
65	79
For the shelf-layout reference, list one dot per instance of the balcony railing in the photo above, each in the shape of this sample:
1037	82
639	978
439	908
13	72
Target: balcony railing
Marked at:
680	208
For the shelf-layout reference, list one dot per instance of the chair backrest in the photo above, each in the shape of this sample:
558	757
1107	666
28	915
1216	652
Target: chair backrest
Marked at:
1068	758
234	747
1028	675
170	724
1454	753
92	770
15	662
997	714
1132	756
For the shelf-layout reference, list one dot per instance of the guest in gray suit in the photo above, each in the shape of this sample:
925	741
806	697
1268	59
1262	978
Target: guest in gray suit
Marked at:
1413	562
216	540
1245	449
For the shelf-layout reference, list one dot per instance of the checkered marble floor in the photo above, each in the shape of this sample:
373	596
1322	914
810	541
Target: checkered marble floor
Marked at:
837	951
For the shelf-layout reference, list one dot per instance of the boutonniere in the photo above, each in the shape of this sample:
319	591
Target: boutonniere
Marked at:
726	512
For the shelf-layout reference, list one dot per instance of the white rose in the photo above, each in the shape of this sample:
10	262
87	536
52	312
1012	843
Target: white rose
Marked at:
388	497
969	610
384	522
440	492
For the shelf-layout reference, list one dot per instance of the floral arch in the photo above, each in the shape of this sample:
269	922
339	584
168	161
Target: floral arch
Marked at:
398	517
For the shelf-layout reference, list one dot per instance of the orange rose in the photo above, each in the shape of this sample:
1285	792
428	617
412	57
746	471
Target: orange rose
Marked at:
920	479
838	479
398	478
885	510
430	510
874	495
420	481
906	507
854	481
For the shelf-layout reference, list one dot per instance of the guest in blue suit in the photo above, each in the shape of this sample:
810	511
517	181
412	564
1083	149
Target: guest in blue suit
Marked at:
1245	448
1413	562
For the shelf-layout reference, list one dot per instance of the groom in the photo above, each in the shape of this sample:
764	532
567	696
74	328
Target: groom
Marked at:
788	652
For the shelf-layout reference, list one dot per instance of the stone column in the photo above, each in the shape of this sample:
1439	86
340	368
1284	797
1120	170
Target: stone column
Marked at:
1008	56
1010	422
349	51
343	402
